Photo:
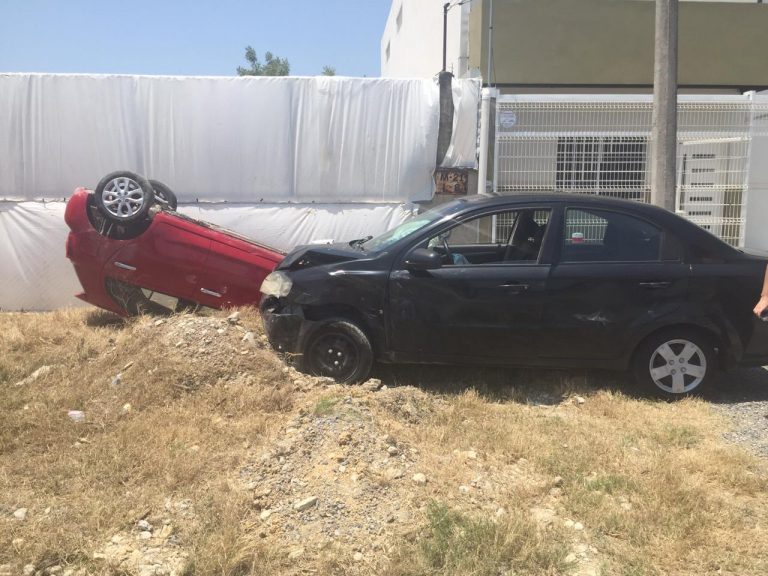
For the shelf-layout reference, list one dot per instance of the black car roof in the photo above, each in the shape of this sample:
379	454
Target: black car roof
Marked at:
533	197
480	200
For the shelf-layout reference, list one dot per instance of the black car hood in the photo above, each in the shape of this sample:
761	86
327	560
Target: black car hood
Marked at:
309	256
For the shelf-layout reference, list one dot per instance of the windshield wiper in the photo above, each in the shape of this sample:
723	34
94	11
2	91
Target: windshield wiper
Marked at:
359	242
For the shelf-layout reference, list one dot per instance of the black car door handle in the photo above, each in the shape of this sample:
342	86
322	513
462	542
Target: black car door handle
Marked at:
518	285
656	285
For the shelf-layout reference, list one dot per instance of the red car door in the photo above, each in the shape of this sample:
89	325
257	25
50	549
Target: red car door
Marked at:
233	272
168	258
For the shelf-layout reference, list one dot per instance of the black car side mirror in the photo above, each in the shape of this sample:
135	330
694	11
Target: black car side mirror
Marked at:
423	259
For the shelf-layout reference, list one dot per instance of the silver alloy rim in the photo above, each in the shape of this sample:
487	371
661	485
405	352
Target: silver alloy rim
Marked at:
123	197
678	366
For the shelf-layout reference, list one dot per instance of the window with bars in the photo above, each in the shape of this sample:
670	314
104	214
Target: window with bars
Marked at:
601	163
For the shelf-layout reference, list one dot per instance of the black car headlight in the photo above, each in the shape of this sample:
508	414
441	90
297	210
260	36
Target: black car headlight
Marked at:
276	284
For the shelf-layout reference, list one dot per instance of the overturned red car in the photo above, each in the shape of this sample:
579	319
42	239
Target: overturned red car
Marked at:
134	253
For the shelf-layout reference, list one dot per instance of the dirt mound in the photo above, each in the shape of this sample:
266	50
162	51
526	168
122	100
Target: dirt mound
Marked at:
343	478
185	445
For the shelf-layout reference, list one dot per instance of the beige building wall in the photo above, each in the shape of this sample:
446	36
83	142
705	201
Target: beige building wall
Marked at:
609	43
412	42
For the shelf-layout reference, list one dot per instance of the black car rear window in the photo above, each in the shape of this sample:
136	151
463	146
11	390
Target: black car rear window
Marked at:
605	236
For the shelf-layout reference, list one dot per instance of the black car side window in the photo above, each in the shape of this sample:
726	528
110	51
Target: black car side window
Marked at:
604	236
504	237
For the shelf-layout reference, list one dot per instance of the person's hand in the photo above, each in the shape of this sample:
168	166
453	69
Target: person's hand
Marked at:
761	306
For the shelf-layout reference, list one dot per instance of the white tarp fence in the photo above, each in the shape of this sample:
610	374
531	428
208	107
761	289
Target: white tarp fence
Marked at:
35	274
319	139
284	161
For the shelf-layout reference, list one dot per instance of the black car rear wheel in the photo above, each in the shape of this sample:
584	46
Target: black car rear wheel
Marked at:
124	197
340	350
675	363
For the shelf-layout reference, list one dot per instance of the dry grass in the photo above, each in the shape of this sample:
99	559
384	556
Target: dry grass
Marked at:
652	482
656	489
191	423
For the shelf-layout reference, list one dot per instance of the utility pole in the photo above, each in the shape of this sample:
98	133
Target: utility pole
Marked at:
664	169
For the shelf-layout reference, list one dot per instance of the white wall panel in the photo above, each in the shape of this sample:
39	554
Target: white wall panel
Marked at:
322	139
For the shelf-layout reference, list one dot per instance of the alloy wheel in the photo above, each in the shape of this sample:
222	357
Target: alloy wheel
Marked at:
678	366
123	197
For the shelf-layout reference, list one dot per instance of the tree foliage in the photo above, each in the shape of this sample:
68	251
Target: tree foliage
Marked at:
272	66
329	71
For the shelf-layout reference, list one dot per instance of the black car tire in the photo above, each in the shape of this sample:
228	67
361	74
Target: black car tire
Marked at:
340	350
164	196
675	363
124	197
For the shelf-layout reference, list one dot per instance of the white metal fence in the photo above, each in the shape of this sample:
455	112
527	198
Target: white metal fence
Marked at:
601	144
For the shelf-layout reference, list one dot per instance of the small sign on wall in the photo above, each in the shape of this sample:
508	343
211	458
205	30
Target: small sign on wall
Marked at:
452	181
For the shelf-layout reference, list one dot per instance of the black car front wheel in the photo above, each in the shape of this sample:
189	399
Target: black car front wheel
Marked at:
340	350
123	197
675	363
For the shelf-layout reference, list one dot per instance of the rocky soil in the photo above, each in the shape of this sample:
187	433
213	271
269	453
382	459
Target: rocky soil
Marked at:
339	479
341	476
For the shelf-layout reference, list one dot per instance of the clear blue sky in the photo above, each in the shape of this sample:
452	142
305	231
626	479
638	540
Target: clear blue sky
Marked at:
192	37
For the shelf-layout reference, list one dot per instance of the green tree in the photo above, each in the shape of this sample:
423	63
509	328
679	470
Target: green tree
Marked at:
272	66
329	71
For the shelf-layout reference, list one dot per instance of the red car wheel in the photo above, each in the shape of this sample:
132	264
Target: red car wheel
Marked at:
124	197
164	196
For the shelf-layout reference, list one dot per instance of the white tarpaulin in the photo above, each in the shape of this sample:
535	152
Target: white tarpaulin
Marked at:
319	139
466	102
36	275
284	161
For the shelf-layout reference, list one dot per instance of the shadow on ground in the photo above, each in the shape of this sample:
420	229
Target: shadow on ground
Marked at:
102	319
737	386
543	386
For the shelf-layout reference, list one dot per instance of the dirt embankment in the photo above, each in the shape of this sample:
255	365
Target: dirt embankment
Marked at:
183	445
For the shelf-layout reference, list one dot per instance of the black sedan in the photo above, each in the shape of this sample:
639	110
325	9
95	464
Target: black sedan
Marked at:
536	280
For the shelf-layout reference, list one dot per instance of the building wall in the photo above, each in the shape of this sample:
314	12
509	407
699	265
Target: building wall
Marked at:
609	43
412	43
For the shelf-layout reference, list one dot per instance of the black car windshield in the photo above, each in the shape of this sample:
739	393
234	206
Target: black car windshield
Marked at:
411	225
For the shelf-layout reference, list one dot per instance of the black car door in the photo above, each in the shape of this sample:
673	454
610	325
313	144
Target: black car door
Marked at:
616	274
484	302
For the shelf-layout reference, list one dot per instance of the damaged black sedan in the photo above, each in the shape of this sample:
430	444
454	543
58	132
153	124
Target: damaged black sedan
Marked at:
535	280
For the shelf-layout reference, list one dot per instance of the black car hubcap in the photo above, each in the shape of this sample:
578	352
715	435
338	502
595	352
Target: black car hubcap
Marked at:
333	355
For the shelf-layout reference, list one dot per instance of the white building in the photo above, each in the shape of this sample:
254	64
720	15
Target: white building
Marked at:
571	46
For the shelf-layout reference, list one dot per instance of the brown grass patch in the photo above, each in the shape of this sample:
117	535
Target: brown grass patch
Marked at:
192	419
654	486
521	478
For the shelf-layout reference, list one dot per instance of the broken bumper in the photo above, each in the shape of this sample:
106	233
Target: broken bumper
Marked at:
284	326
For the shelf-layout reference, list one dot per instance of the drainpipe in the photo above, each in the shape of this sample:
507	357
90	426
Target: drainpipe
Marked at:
446	6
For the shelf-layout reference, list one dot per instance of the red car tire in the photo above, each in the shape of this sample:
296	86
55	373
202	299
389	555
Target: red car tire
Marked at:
124	197
164	196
